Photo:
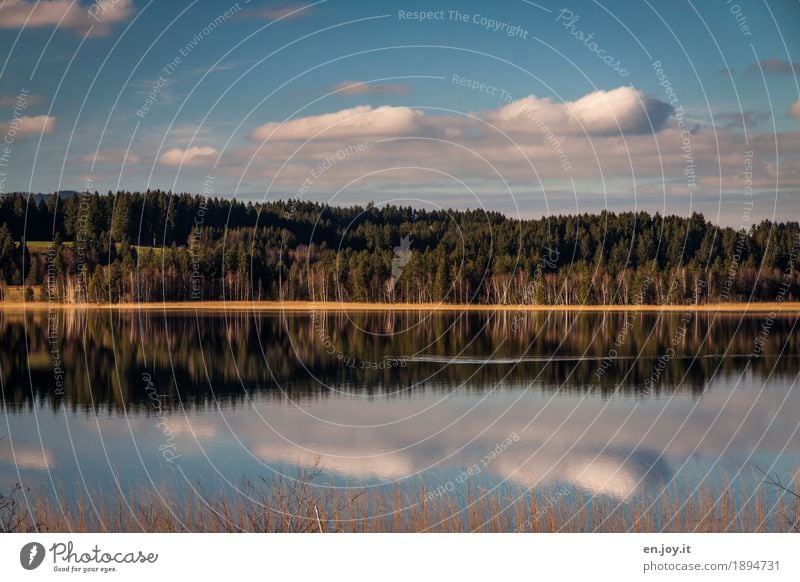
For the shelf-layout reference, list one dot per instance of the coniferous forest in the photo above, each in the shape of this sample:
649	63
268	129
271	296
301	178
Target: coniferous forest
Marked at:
159	246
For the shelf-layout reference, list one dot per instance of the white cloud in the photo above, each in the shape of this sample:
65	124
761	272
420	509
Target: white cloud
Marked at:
600	113
94	19
361	121
193	156
28	457
29	125
621	474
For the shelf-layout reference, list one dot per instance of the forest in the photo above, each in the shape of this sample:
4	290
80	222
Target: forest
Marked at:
158	246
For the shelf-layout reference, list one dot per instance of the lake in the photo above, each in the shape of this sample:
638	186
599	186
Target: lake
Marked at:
616	405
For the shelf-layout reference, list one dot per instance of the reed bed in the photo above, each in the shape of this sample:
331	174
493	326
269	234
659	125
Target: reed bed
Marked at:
298	505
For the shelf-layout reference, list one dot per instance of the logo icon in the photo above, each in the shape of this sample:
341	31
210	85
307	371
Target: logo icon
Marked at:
31	555
402	256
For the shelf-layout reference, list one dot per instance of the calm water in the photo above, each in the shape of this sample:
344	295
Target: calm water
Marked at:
616	405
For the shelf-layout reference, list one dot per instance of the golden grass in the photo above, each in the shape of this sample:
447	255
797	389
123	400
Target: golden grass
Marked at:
307	306
298	506
13	295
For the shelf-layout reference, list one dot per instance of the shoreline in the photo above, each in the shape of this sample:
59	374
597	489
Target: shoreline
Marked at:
307	306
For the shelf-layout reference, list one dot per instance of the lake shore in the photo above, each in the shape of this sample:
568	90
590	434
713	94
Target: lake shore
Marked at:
307	306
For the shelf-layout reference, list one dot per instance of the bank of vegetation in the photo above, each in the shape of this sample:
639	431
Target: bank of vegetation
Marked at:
157	246
283	505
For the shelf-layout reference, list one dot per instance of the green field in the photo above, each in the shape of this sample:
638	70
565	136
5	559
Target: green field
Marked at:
42	246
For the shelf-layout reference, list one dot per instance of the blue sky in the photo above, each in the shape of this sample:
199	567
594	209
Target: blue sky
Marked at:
502	105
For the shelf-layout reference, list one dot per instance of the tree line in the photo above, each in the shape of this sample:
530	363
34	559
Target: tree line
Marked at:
160	246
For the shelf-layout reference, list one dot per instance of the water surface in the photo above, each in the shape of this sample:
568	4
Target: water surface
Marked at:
617	405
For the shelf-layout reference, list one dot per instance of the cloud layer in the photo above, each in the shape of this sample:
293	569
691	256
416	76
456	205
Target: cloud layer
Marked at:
619	111
94	19
619	142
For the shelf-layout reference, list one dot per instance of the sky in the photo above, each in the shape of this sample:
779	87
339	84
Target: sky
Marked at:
527	108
